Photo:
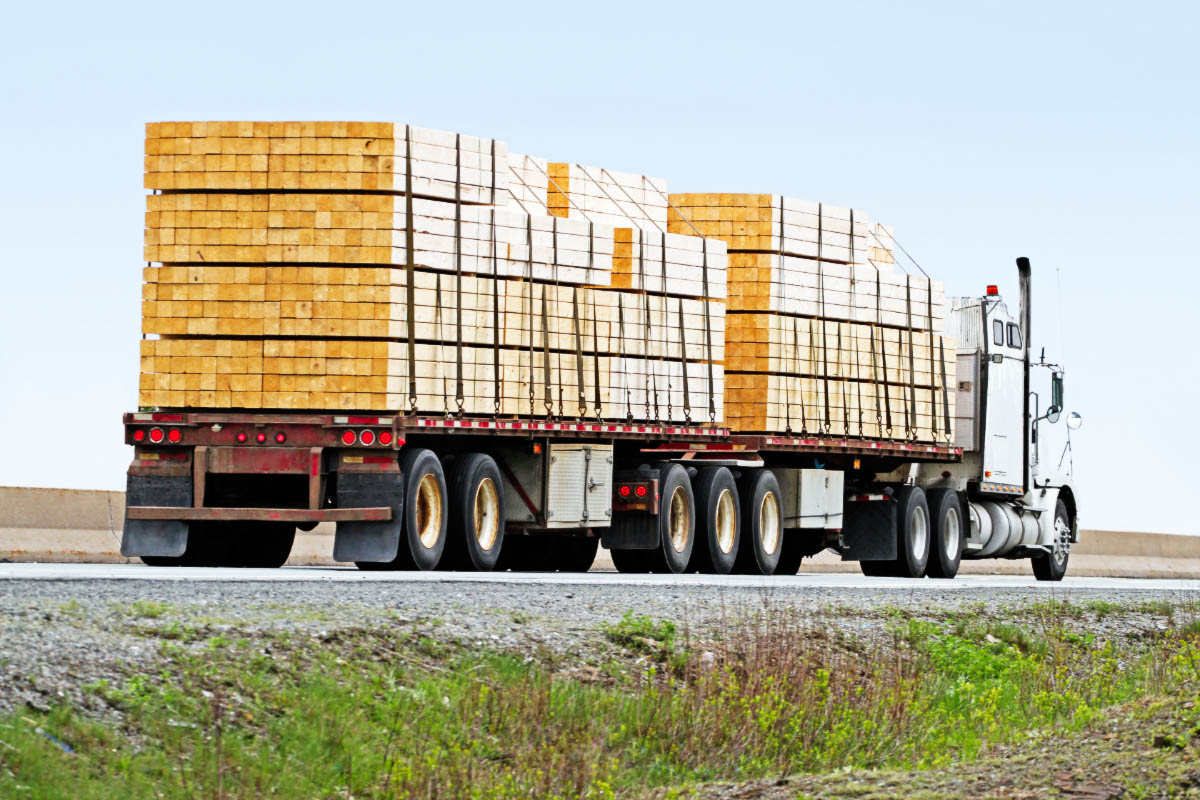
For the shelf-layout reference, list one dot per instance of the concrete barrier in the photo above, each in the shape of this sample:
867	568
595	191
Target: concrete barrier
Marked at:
83	525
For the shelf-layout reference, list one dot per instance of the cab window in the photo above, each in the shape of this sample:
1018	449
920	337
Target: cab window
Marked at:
998	332
1014	336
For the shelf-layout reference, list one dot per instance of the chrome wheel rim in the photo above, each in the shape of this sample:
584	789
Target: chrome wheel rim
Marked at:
768	523
726	522
919	529
487	514
680	520
429	510
1062	541
951	533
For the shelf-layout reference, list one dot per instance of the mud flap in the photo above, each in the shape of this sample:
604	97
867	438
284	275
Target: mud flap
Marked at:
369	541
156	537
869	531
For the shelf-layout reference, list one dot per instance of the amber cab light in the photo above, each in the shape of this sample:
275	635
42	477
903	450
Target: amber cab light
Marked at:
156	435
385	437
349	437
241	437
260	437
139	435
367	437
281	437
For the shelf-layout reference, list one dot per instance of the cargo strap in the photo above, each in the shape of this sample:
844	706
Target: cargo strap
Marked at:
440	332
844	383
497	374
549	402
649	381
582	389
787	381
410	271
853	321
887	395
529	309
558	316
596	358
621	353
933	415
945	389
825	427
458	355
666	317
708	348
687	402
910	408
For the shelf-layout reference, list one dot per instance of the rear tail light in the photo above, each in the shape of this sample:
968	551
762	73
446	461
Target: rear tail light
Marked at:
156	435
241	437
349	437
139	435
260	437
281	437
640	491
385	437
174	436
624	491
367	437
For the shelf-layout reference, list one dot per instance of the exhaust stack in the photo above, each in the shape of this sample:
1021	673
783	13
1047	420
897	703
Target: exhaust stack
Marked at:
1024	271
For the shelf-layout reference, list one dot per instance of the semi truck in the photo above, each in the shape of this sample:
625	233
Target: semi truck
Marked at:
420	492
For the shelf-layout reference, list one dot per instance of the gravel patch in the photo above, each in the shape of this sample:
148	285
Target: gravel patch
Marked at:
59	637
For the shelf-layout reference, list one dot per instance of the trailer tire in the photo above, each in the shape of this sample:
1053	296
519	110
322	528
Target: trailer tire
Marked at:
424	536
632	562
946	546
762	550
912	532
791	555
162	561
574	553
718	534
676	521
1053	565
475	535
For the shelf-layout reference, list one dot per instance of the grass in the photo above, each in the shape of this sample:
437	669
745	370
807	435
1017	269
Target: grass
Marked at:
371	714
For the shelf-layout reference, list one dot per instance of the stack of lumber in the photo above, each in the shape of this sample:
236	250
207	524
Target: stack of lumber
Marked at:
823	335
278	278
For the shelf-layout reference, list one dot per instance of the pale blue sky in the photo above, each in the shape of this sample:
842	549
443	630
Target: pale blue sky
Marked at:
1067	132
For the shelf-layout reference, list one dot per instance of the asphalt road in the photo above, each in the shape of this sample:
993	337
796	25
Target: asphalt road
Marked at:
139	572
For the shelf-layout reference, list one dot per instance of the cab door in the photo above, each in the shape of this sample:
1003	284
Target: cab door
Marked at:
1003	445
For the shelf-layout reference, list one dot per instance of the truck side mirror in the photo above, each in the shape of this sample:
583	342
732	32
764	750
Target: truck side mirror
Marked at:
1056	397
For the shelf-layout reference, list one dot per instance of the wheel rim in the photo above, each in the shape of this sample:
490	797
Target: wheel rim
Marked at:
726	522
487	514
1062	541
429	510
919	529
951	531
680	520
768	523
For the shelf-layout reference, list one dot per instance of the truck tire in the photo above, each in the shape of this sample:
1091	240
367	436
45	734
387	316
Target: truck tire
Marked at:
912	532
676	521
1053	565
913	537
424	537
632	562
573	552
946	547
476	525
718	529
761	550
269	545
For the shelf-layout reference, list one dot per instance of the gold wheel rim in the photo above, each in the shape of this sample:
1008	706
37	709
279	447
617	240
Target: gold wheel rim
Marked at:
768	523
680	520
429	511
487	514
726	522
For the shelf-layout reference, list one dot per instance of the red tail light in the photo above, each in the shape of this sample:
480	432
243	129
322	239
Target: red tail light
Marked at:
367	437
174	436
241	437
385	437
349	437
281	437
640	491
156	435
623	491
260	437
139	435
993	290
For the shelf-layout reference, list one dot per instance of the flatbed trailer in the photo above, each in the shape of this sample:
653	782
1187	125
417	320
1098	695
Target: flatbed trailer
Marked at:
421	491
